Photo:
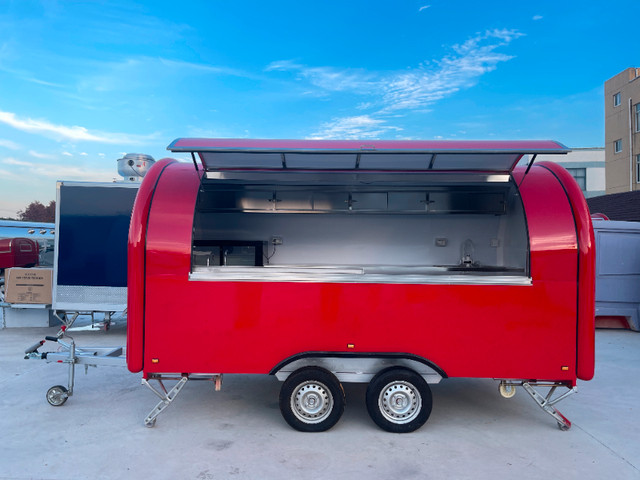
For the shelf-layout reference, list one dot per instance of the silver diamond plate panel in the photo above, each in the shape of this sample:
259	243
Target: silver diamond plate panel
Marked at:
90	298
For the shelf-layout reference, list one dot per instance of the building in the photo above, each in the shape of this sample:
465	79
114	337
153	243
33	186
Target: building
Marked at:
586	165
622	131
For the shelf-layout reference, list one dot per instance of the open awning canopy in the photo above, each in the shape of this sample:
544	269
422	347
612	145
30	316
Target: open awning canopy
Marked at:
223	154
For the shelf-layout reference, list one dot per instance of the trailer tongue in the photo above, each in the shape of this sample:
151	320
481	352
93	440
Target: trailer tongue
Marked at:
392	263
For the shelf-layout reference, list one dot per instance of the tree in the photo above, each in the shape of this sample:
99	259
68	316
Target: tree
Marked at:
37	212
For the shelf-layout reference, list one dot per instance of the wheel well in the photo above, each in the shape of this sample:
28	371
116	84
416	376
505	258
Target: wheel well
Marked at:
358	367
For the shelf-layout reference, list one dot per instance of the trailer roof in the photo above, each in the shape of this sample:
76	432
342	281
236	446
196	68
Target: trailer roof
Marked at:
393	155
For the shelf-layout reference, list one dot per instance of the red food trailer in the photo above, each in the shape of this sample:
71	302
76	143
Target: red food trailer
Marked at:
18	252
394	263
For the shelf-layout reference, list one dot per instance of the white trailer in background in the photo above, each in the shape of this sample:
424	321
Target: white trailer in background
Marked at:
90	261
617	274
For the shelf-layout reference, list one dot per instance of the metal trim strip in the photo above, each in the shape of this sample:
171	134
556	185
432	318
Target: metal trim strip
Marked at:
262	274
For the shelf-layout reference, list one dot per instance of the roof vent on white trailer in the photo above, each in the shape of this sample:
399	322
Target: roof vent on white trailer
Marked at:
134	166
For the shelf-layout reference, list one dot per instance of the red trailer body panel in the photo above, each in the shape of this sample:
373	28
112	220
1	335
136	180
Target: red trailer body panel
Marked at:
136	272
542	330
585	296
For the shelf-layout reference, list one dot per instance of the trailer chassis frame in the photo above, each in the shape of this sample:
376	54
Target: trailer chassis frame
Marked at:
68	318
71	355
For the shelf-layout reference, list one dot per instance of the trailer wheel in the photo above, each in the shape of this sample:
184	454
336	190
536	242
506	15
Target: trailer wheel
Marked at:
399	400
312	400
56	396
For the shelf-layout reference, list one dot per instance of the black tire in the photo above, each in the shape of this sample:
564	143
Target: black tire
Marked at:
399	400
312	400
57	396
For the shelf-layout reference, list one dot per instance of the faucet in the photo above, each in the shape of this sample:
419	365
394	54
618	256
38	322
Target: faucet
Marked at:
467	253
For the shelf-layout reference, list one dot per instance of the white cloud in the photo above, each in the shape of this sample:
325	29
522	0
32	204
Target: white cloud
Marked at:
396	92
424	7
40	126
59	171
138	72
67	154
27	76
6	174
84	154
538	17
421	87
362	126
341	80
20	163
181	64
35	154
365	105
283	65
75	133
9	144
43	82
329	78
66	172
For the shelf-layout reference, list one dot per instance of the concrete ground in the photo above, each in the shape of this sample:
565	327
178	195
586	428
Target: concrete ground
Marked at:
473	432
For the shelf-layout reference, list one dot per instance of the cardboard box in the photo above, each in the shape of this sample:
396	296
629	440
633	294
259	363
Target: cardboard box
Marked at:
28	285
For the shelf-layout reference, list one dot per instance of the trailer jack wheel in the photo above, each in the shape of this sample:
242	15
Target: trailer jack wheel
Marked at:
399	400
57	396
507	390
312	400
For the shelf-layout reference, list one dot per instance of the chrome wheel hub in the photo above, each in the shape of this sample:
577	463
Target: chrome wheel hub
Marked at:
311	402
400	402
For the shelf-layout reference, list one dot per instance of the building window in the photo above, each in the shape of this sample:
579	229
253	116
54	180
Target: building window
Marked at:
616	99
580	175
637	168
637	117
617	146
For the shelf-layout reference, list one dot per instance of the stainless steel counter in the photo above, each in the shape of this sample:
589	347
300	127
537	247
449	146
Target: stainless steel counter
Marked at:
362	274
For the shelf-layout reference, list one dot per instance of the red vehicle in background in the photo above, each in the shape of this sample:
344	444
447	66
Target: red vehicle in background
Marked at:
393	263
18	252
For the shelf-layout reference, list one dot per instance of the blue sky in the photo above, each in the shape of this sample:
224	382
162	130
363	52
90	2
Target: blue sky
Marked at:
82	83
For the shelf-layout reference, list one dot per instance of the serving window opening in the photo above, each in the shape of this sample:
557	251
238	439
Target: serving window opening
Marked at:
394	233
